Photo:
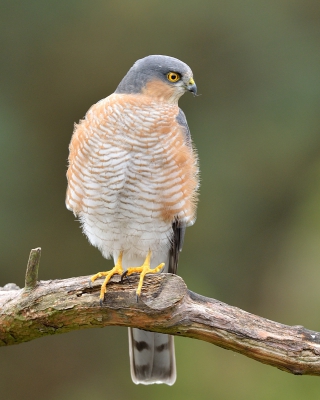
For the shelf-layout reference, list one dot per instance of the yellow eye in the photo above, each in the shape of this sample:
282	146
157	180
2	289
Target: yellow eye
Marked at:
173	76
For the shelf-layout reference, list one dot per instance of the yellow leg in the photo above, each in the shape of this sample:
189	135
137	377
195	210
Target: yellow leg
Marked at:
143	270
117	269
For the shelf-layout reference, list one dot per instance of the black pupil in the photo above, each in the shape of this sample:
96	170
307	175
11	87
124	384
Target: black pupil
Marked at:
173	77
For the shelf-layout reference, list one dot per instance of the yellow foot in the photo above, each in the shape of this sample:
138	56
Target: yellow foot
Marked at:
143	270
117	269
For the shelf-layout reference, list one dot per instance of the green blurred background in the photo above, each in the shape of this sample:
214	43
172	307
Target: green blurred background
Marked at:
256	243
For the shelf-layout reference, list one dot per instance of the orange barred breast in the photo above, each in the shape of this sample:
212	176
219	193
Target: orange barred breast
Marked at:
129	154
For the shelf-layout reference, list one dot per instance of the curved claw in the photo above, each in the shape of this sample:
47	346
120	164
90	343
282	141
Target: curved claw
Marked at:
124	275
101	302
90	283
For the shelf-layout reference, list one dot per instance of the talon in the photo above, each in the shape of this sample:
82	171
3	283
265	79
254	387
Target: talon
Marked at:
143	270
117	269
101	302
124	275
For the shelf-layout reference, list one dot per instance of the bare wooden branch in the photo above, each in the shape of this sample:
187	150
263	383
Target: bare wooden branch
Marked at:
33	268
166	306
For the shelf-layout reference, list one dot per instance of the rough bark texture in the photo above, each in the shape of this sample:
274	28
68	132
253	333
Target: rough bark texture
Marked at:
166	305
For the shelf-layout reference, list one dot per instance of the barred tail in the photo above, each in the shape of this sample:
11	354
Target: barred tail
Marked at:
152	357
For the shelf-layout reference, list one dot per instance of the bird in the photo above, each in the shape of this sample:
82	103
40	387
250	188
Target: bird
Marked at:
133	179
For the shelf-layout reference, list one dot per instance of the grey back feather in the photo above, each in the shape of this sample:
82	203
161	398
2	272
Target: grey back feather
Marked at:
181	119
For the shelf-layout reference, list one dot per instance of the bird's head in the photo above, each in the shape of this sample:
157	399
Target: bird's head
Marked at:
163	77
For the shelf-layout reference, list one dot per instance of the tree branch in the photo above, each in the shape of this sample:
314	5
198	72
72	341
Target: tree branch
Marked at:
166	306
33	268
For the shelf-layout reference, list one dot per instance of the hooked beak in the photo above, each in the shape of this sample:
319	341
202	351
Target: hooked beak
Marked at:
192	87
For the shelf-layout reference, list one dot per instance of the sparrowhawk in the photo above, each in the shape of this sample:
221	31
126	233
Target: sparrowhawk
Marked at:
132	181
